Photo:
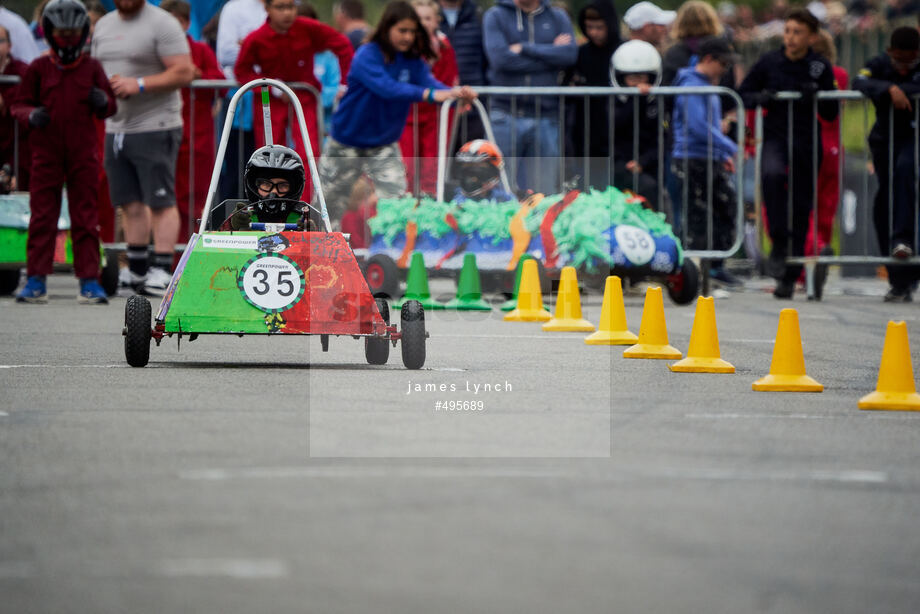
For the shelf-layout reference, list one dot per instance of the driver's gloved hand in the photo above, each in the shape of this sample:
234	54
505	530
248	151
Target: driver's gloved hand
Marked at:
305	223
240	220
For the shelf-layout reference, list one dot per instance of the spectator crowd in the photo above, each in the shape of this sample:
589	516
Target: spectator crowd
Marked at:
138	144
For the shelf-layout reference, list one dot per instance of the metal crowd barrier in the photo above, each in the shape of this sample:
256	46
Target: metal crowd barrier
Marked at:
523	99
866	197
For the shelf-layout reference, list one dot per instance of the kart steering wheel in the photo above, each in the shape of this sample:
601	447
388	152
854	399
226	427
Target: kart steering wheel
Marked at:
290	204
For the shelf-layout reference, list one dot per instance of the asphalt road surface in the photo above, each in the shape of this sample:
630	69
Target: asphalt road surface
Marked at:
262	475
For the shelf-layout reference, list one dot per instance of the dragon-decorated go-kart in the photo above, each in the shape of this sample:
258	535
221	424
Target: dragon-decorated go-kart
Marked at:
272	278
598	232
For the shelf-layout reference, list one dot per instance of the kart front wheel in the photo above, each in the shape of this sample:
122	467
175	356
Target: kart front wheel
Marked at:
137	331
9	279
412	319
684	286
377	349
109	276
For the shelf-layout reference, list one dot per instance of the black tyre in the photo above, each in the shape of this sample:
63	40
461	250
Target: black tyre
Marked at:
109	276
137	331
9	280
412	320
684	286
376	349
382	276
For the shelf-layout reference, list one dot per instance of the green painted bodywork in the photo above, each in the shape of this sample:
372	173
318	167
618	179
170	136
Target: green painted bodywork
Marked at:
206	297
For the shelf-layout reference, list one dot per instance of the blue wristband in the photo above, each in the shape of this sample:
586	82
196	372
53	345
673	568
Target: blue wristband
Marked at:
431	95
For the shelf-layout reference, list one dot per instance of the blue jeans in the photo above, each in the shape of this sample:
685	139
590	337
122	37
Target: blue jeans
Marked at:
532	137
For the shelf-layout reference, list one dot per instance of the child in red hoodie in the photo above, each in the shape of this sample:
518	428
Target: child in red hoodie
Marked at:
283	48
59	96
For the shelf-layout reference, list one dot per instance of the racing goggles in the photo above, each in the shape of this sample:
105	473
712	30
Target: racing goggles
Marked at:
267	185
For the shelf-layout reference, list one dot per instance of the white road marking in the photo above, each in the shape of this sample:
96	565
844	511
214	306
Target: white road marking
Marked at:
65	366
3	414
843	416
856	476
242	569
547	336
363	472
851	476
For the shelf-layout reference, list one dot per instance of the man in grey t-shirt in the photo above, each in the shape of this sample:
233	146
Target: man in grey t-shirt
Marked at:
146	56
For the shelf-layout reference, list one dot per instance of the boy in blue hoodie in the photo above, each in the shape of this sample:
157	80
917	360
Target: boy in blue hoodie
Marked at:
700	144
528	44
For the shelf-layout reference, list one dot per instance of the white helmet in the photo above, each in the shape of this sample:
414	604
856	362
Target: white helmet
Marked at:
633	57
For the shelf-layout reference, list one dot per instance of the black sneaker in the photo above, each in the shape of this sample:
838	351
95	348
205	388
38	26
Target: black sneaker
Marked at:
776	265
898	295
784	289
821	273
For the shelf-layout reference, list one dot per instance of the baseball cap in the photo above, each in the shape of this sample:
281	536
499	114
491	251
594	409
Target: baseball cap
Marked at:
718	48
645	12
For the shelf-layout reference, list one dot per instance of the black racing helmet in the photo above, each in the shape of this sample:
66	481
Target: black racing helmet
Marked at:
66	15
270	162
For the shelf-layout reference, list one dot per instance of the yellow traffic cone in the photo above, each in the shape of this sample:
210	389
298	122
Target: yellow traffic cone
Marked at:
568	306
612	329
703	355
653	331
530	297
787	370
895	388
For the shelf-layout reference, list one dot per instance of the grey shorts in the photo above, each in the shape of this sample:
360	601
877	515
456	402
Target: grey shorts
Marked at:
141	167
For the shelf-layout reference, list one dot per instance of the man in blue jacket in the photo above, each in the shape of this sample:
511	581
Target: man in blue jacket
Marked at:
528	43
461	22
701	150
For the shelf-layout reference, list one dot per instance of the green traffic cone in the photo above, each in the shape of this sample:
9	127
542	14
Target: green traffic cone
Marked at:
417	285
469	288
511	303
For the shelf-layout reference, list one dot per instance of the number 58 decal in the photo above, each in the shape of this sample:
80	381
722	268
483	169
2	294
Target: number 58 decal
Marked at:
271	282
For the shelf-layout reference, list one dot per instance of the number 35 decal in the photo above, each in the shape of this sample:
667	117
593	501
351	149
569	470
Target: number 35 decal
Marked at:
271	282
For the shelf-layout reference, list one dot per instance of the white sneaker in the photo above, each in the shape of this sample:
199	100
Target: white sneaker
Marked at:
129	279
157	281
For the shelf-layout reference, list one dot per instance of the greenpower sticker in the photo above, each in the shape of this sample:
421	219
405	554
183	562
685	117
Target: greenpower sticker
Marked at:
224	241
271	282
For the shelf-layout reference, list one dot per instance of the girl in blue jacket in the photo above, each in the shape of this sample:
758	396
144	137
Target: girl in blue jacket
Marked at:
387	75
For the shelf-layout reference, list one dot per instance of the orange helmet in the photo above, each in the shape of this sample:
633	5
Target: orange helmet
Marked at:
479	167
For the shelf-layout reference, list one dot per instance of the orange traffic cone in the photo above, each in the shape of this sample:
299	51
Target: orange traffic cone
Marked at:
703	355
568	306
653	331
612	329
530	297
787	370
895	388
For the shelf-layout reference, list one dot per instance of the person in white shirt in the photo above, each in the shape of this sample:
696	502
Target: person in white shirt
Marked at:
24	47
237	19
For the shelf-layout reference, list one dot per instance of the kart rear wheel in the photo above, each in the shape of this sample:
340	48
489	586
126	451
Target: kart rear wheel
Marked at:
9	280
137	331
684	286
382	276
109	276
412	320
377	349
